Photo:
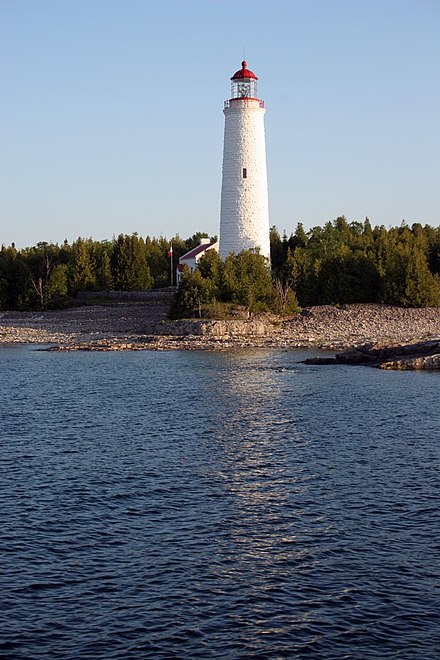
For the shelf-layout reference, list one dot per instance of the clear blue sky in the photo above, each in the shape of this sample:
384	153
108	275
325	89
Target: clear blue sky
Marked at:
111	112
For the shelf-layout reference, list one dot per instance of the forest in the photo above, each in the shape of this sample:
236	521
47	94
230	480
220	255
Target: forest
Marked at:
49	275
338	263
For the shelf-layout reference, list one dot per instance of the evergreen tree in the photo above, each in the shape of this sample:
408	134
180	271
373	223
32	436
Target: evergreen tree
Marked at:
407	279
158	260
103	271
211	268
246	281
130	267
278	249
82	268
14	280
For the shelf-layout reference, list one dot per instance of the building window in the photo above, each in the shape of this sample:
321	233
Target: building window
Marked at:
244	173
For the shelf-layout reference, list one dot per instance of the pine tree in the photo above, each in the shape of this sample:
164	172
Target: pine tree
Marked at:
82	275
130	267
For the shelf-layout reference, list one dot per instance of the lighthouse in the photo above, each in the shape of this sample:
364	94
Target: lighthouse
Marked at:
244	212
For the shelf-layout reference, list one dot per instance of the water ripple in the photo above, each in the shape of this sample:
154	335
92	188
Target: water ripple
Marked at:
216	506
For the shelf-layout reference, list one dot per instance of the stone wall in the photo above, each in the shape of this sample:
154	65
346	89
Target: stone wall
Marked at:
222	329
151	294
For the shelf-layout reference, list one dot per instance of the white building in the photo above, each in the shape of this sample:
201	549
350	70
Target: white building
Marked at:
244	213
191	258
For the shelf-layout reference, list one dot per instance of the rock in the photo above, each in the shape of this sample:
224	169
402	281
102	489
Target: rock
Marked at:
428	362
356	356
418	355
319	360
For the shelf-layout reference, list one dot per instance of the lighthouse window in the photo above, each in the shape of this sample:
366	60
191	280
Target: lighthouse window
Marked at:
244	173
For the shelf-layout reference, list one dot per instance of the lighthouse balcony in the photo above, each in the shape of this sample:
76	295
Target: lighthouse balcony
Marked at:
231	102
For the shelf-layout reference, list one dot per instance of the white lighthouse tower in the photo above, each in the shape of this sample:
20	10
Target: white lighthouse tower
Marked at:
244	213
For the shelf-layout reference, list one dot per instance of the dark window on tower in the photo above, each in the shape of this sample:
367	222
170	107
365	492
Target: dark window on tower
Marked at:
244	173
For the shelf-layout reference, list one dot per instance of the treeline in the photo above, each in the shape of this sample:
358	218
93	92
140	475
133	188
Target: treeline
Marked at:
339	263
352	262
50	275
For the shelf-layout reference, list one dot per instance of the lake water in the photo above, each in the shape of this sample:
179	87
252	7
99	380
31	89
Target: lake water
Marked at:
216	505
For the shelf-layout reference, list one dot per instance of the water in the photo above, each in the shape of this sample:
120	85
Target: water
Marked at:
216	505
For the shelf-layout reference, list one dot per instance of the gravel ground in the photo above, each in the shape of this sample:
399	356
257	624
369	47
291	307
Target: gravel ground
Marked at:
351	325
137	325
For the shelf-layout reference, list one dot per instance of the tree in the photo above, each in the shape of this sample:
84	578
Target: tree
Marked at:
211	268
82	268
57	289
278	249
101	253
156	250
130	267
41	261
302	271
14	280
193	292
246	281
284	299
407	279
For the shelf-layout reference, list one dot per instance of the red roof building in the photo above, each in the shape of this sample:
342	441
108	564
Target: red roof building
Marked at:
190	259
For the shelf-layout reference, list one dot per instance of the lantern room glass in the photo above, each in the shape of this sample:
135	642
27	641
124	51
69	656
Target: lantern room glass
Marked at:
244	88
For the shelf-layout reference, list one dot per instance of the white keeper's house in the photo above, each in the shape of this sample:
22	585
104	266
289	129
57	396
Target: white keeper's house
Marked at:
191	258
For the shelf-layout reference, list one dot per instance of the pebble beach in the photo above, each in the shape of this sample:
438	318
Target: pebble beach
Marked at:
137	325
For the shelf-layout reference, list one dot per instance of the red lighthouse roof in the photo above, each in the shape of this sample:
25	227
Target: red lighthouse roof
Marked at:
244	72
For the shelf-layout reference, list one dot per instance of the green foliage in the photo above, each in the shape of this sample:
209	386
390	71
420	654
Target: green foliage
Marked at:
278	249
14	279
246	281
130	267
193	292
351	262
211	267
82	267
156	250
243	282
101	254
43	288
49	275
284	300
408	280
57	286
339	262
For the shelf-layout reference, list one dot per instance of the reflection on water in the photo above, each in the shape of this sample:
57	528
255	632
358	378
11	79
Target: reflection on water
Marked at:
257	471
216	505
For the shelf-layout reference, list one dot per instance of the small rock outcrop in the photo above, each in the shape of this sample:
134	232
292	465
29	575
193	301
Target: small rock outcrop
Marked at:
259	327
404	357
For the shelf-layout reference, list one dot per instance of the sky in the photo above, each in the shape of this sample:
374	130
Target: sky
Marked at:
111	113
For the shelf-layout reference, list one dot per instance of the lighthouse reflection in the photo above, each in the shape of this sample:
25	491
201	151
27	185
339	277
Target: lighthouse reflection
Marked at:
270	525
257	438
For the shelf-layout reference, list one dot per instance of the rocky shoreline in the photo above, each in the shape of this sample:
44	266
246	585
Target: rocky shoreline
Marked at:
403	357
144	325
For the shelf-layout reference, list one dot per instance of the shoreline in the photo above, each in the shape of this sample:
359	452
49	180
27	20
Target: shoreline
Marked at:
143	326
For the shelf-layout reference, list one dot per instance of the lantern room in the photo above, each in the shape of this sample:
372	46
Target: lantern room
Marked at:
244	83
